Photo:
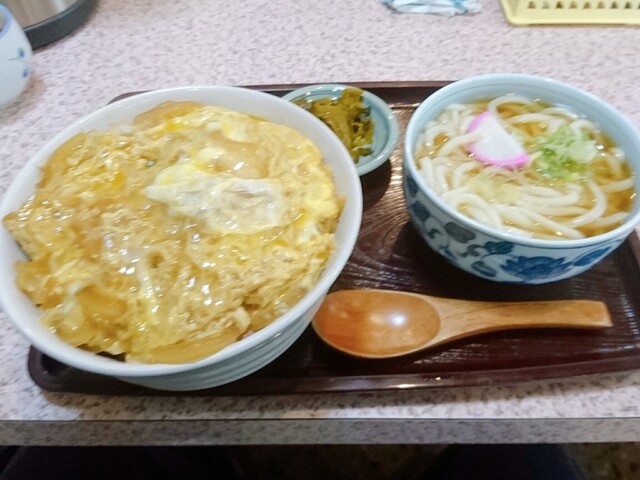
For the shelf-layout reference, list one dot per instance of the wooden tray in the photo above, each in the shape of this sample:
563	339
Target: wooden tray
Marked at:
390	254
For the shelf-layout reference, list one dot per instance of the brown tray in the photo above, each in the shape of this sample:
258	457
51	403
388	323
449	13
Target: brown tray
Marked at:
390	254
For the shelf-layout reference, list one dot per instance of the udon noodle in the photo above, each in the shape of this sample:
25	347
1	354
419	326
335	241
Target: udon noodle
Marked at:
577	183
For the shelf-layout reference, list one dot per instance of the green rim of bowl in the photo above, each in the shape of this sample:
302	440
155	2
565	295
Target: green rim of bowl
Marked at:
385	129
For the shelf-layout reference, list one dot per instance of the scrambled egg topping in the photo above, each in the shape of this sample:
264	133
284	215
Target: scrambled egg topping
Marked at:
166	240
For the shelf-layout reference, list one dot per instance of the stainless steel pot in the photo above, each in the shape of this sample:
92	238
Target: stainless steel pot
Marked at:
45	21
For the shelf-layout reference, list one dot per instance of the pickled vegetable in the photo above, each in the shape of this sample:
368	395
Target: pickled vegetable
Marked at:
348	117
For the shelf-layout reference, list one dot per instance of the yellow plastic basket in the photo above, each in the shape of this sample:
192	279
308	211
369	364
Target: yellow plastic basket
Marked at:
525	12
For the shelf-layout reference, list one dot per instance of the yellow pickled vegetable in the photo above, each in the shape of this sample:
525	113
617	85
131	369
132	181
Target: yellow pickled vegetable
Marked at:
348	117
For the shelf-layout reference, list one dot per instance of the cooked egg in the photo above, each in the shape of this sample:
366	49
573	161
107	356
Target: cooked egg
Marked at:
166	240
227	204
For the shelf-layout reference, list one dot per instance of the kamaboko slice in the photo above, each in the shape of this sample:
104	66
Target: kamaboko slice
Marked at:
496	146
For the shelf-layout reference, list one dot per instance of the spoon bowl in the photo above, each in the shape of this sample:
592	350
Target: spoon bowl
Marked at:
383	324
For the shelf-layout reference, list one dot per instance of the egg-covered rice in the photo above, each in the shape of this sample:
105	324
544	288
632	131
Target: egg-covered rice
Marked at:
168	239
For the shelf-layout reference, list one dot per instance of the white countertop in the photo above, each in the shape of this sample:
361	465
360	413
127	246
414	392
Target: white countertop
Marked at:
130	46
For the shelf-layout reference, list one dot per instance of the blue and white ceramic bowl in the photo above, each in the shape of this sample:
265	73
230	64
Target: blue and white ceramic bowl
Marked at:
481	250
385	124
251	352
15	58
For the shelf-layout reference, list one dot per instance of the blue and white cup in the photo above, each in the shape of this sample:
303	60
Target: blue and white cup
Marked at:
15	57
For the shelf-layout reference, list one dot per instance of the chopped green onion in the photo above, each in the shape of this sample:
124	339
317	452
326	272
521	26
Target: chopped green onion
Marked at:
564	155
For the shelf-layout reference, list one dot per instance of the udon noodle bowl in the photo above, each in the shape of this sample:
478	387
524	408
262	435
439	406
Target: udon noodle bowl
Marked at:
575	182
168	239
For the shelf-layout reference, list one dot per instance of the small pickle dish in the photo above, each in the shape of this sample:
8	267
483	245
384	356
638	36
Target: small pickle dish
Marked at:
363	121
258	346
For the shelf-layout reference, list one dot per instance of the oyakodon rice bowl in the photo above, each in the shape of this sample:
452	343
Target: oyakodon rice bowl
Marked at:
175	190
521	179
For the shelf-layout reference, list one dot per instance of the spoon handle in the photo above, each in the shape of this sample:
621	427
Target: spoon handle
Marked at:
461	318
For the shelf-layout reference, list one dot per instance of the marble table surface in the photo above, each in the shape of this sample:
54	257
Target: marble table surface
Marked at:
131	46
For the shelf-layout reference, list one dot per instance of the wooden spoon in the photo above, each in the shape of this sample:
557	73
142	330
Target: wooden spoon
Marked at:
385	323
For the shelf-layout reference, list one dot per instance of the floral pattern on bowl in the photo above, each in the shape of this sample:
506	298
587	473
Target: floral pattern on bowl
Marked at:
15	58
494	258
21	56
